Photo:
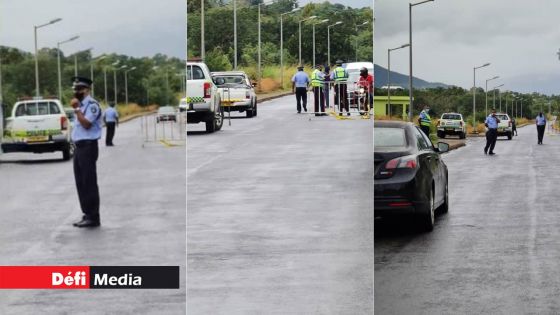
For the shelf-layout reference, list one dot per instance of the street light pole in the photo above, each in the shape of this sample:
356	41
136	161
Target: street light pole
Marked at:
91	72
329	42
282	46
58	63
356	59
389	74
410	5
35	28
486	93
494	96
301	21
474	93
126	83
234	34
320	22
202	50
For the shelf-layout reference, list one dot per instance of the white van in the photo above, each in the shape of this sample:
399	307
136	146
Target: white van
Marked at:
353	69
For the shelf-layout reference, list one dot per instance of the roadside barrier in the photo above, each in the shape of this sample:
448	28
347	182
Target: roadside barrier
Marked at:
164	130
356	102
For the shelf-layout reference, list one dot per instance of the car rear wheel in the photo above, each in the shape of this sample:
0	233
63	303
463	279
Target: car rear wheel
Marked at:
216	123
441	134
428	215
509	136
255	110
68	152
462	135
249	113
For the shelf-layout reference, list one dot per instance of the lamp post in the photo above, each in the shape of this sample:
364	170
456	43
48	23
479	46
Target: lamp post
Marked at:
301	21
58	62
35	28
494	96
320	22
234	34
116	63
282	45
410	5
76	60
474	93
126	83
357	37
486	92
99	58
389	74
329	41
202	51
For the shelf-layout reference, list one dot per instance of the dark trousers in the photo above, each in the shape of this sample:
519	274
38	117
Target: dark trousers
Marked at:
326	91
301	97
514	129
110	133
341	98
491	137
318	99
426	130
540	132
85	174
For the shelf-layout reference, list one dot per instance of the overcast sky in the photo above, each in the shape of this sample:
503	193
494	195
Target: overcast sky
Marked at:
132	27
519	38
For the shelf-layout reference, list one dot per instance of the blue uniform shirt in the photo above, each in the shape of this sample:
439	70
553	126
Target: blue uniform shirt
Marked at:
541	121
301	79
92	112
492	122
111	115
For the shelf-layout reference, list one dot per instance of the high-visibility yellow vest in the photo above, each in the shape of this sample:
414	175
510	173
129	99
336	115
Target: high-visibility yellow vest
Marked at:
425	120
316	80
340	74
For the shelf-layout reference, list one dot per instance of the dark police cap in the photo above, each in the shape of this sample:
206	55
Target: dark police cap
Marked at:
81	81
339	62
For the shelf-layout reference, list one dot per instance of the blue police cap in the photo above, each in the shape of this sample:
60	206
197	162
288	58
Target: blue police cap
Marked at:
81	81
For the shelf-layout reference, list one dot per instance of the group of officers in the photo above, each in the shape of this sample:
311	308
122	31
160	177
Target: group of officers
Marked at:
320	82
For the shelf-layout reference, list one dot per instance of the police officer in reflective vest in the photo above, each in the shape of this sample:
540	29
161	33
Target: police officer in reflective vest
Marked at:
86	132
317	82
492	133
425	121
340	76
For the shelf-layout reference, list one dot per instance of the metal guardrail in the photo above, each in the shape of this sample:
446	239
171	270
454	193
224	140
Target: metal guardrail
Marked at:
356	102
164	131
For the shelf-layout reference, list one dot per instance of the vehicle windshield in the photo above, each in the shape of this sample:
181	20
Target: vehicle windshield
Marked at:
389	137
166	110
38	108
232	79
451	116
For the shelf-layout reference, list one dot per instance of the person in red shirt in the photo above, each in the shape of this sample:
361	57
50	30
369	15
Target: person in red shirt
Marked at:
366	81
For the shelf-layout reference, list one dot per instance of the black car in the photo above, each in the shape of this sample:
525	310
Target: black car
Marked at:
410	177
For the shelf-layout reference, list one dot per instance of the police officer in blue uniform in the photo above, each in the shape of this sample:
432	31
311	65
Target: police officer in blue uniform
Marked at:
492	134
86	132
541	126
111	118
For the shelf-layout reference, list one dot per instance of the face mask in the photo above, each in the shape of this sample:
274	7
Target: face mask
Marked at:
79	94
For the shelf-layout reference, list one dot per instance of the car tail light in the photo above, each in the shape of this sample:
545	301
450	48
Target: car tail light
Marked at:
400	204
247	95
410	162
207	90
63	123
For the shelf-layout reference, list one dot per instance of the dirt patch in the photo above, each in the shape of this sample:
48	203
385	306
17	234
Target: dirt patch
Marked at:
268	85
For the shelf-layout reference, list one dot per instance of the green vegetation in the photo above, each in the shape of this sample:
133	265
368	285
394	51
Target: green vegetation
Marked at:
219	38
145	84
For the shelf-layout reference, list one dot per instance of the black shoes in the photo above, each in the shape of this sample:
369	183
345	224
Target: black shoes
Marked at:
491	153
485	151
87	223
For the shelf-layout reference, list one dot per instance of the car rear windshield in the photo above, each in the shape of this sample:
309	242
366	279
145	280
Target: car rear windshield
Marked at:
166	109
502	117
233	79
195	73
389	137
451	116
39	108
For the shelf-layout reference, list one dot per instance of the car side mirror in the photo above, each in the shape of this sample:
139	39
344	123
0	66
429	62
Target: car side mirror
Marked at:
442	147
254	84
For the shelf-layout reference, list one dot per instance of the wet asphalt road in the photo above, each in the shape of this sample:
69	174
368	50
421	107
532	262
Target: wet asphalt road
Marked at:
279	212
143	223
497	251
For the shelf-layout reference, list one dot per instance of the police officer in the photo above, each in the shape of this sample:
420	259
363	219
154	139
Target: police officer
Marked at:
111	119
541	125
86	132
425	121
300	83
492	134
340	76
317	82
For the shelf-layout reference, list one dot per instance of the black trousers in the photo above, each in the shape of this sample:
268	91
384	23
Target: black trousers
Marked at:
319	99
301	97
85	174
426	130
540	132
340	97
110	132
491	137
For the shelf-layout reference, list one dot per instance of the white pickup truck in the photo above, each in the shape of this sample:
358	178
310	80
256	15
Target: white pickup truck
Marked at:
236	92
38	126
203	103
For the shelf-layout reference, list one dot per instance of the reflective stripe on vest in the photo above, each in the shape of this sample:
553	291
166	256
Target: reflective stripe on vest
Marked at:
426	120
316	81
340	74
